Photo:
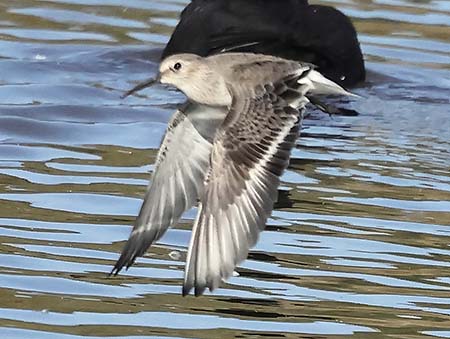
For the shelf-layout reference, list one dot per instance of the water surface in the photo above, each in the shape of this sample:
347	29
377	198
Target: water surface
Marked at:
358	244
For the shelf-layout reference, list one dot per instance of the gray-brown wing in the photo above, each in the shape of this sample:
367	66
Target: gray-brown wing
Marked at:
257	69
181	166
249	155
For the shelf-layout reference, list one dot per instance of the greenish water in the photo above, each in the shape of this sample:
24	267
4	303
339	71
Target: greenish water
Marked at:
357	247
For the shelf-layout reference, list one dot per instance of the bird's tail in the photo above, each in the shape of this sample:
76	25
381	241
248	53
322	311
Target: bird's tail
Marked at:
319	85
315	84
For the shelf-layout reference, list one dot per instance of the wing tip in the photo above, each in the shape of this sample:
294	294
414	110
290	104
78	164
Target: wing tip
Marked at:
186	290
119	266
135	246
126	259
115	271
319	84
199	290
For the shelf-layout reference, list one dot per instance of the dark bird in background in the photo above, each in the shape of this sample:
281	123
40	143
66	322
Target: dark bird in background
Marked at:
291	29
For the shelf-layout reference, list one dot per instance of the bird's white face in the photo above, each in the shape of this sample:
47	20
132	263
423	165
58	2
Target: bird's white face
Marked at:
177	69
193	76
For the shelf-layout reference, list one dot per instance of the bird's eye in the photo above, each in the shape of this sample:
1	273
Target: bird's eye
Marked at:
177	66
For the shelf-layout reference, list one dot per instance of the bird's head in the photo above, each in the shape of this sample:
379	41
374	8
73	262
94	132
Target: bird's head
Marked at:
194	76
177	70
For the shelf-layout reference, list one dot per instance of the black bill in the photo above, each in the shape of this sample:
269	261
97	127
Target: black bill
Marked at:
140	86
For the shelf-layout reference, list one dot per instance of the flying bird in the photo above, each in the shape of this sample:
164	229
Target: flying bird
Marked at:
226	148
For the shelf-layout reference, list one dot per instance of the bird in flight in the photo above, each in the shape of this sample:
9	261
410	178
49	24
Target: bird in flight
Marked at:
226	148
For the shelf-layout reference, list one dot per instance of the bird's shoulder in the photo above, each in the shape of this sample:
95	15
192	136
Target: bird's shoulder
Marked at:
255	70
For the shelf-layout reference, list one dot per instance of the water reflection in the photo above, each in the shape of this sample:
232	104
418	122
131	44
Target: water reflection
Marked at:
358	243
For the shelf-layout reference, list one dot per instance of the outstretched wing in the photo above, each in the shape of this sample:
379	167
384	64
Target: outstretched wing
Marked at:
181	166
249	154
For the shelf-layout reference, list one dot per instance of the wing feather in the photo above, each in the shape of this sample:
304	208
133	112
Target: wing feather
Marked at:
177	181
249	154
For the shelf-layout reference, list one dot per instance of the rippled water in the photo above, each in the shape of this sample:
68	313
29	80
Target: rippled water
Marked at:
358	245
